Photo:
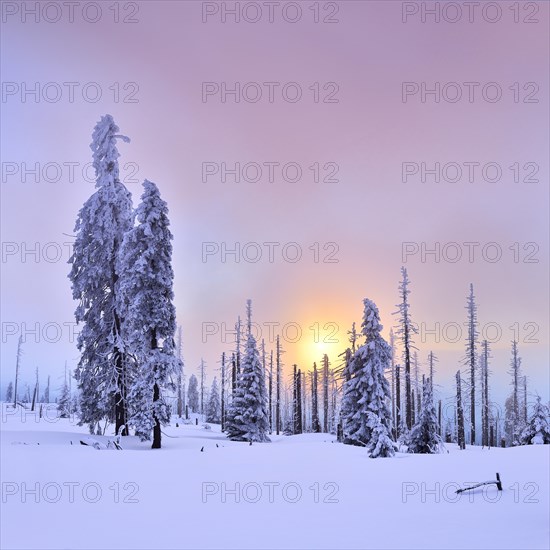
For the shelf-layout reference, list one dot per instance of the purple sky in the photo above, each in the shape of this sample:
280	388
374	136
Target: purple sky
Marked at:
368	133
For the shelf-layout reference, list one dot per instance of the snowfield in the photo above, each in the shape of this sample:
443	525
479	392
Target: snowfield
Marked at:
304	491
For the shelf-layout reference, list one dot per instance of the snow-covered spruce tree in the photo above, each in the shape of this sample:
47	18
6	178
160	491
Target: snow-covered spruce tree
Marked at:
537	430
213	407
64	401
367	393
424	438
100	227
248	418
9	392
381	444
193	394
146	280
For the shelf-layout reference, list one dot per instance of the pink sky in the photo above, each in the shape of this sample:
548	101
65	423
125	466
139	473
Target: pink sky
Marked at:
369	133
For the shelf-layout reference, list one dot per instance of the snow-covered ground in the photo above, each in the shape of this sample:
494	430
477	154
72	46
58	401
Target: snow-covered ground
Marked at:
304	491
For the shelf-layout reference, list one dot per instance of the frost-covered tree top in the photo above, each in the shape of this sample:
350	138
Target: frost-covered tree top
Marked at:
104	151
371	326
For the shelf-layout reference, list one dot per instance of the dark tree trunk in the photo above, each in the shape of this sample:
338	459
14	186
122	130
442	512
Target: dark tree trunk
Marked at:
315	426
156	428
33	398
223	394
299	400
397	401
156	397
271	392
233	375
325	393
413	419
121	420
460	414
278	392
121	411
294	401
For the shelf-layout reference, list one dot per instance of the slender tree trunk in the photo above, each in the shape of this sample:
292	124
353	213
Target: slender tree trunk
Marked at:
460	413
121	420
156	397
485	389
439	418
223	394
300	402
233	375
472	362
397	401
278	392
203	374
392	365
271	392
121	410
180	377
294	400
524	399
33	398
413	416
315	426
408	396
325	393
156	428
17	363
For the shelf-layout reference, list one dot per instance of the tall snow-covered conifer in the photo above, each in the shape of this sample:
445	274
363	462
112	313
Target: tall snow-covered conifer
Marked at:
248	418
424	438
193	394
213	407
146	279
100	227
367	415
537	430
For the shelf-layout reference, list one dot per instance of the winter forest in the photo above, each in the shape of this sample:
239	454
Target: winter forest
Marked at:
275	275
131	377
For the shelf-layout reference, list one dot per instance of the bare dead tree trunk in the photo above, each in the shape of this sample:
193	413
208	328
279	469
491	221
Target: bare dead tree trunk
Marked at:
460	414
315	426
179	410
17	364
325	393
223	394
471	356
439	418
413	415
524	399
397	401
278	391
271	392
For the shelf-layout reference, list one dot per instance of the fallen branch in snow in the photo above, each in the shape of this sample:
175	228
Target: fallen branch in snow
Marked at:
98	445
497	482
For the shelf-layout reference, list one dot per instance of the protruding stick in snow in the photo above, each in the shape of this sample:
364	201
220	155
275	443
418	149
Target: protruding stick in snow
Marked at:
497	482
